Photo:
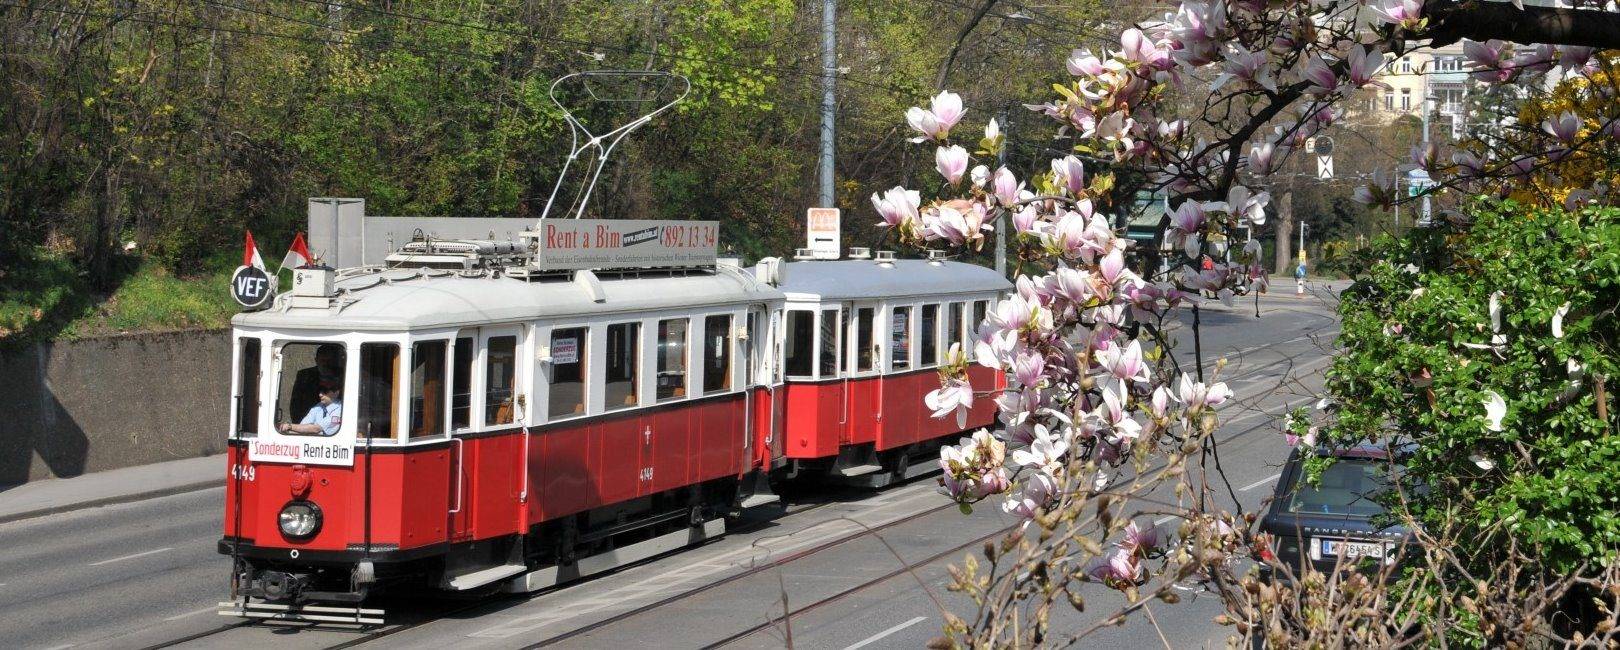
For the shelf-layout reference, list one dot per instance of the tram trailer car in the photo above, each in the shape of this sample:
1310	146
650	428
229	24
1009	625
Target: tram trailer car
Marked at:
516	433
863	342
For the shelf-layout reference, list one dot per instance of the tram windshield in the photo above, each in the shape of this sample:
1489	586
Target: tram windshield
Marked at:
309	395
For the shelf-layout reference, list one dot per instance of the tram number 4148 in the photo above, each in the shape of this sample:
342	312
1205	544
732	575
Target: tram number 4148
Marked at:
646	473
242	472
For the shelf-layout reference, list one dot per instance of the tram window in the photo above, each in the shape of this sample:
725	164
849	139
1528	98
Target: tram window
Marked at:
307	369
953	325
928	336
671	358
717	354
750	348
500	377
900	338
623	347
863	338
831	361
798	343
427	388
461	384
247	386
979	308
567	372
379	390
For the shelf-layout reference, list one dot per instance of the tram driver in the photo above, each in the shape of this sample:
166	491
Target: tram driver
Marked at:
324	418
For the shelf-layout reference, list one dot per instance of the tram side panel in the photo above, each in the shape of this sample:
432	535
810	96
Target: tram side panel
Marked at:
866	397
907	420
495	492
813	426
407	509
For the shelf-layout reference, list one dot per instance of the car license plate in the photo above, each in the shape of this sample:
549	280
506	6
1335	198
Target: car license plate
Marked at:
1351	550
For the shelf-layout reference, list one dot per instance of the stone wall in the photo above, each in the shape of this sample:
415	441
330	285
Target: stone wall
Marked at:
71	407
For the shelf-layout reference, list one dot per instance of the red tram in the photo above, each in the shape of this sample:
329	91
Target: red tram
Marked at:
467	419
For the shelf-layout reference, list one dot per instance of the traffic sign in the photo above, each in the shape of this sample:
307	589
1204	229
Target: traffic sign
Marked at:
1324	167
1417	181
822	226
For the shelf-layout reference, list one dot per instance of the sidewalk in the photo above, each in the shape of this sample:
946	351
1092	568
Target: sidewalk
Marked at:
51	496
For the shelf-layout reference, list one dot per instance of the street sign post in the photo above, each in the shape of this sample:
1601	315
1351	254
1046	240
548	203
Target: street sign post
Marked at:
821	228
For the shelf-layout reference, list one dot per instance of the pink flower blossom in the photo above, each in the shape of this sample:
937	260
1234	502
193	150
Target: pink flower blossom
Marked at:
897	206
951	162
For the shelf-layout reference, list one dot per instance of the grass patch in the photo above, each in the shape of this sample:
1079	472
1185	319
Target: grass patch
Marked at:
46	298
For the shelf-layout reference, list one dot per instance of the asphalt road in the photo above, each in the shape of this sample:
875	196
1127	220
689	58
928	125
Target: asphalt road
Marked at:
146	573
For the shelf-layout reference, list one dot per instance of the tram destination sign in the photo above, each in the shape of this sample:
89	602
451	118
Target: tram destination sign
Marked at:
567	244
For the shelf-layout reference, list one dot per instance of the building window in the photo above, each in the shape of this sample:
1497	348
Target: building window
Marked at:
379	396
928	336
864	343
1406	99
247	387
500	380
427	388
799	347
461	384
623	347
717	354
671	359
832	364
568	352
1389	101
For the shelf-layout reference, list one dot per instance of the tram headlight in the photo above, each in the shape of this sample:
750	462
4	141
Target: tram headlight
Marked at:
300	519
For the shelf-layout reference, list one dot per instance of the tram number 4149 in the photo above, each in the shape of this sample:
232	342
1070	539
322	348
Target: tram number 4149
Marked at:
243	472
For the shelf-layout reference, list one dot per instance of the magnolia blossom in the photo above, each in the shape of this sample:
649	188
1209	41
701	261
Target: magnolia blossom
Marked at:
951	162
1564	127
955	395
1186	226
1125	365
1244	204
1070	174
897	206
1118	570
1006	186
1406	14
1260	158
1197	396
1379	193
935	123
1364	64
1558	321
1139	540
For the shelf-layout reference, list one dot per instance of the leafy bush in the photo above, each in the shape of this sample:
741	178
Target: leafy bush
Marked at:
1423	358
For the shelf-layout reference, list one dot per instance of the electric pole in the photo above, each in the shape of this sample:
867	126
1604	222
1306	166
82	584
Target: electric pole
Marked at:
829	97
1002	222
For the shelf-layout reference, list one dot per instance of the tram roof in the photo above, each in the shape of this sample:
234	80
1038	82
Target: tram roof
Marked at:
412	299
868	279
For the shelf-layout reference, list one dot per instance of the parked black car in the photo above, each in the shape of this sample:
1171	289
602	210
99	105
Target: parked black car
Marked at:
1333	523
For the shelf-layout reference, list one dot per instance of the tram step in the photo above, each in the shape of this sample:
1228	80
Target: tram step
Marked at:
759	500
478	579
860	470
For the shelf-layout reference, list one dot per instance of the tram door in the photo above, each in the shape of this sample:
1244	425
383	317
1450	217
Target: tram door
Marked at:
863	384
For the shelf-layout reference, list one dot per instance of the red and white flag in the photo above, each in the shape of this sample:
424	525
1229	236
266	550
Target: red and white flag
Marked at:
250	255
298	254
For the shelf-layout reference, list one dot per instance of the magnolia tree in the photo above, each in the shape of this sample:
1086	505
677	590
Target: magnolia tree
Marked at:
1116	430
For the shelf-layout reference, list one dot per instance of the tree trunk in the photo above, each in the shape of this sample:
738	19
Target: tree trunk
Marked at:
1285	235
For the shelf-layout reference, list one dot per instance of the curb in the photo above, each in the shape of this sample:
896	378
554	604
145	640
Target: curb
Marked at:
112	500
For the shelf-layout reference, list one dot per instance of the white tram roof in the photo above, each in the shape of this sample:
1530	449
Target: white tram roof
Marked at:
831	280
404	299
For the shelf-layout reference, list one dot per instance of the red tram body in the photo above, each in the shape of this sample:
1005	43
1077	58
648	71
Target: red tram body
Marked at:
500	430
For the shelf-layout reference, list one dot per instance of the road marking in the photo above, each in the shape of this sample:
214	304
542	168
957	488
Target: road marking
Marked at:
191	614
1163	520
874	638
1259	483
131	557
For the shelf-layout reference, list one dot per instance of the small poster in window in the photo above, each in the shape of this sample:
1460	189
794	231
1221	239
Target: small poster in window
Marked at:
565	350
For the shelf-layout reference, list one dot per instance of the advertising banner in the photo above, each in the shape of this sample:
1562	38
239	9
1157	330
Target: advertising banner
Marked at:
567	244
276	447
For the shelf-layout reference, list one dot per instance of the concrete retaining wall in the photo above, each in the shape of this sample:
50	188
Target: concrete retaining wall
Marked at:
71	407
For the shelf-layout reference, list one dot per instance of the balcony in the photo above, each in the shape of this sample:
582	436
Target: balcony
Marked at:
1448	78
